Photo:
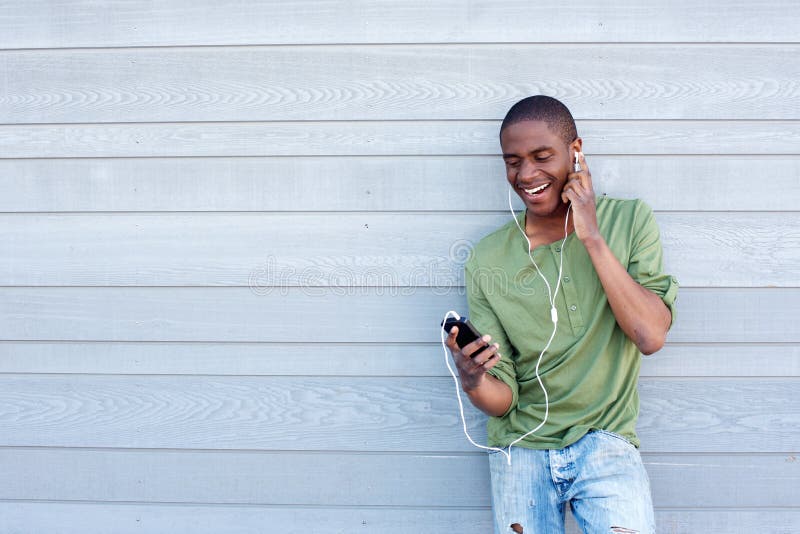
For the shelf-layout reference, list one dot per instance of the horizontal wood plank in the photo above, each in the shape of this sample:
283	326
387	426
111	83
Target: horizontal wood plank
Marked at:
90	518
349	480
65	23
96	518
354	314
375	138
355	413
721	521
377	183
477	82
273	251
349	359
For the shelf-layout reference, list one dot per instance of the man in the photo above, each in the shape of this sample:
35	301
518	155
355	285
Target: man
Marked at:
612	302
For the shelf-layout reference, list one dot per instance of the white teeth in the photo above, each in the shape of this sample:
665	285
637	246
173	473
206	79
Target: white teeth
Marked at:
535	190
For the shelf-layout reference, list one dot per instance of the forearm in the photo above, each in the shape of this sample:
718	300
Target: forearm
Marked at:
640	313
491	396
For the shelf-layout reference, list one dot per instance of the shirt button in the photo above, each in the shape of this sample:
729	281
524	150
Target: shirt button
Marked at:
558	249
566	278
573	308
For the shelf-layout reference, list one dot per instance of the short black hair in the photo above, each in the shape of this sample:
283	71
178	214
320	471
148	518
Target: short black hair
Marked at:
543	108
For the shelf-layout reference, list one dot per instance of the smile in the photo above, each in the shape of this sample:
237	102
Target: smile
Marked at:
536	189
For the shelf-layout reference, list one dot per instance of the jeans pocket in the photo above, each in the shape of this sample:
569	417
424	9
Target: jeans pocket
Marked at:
615	436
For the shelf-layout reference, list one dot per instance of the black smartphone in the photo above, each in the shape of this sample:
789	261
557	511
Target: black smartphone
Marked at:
466	332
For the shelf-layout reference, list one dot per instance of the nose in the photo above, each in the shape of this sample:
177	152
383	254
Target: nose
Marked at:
527	170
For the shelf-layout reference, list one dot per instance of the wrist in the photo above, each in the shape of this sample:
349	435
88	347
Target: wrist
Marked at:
594	241
471	386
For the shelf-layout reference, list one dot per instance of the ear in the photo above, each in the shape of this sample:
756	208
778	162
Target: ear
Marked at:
575	146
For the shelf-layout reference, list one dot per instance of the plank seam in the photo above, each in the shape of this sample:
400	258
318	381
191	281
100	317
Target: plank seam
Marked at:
361	506
328	452
644	378
489	120
497	156
415	44
302	212
778	155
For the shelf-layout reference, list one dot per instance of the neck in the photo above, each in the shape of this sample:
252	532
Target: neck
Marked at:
550	226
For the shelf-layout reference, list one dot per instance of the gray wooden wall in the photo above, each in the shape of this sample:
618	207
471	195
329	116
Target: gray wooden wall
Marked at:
229	229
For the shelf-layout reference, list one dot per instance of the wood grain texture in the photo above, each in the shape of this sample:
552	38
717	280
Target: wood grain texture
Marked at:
354	315
63	23
95	518
84	518
236	314
273	251
379	183
717	521
678	481
359	414
478	82
375	138
352	359
147	384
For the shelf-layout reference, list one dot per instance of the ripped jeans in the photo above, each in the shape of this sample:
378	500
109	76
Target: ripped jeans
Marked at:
601	475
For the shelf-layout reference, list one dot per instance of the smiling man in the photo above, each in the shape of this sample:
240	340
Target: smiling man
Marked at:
567	296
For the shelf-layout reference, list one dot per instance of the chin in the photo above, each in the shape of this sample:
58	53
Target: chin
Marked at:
545	210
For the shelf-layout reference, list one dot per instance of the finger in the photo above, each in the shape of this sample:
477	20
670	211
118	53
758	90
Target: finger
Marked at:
491	352
481	355
474	366
580	179
569	195
586	176
575	182
471	348
570	187
491	362
582	161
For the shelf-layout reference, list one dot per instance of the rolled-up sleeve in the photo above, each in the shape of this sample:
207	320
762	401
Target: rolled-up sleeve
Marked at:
483	317
646	264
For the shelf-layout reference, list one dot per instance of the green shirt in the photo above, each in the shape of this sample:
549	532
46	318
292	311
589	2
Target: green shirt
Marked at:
591	369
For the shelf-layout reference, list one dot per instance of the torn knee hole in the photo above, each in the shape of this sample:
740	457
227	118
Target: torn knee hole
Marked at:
516	527
623	530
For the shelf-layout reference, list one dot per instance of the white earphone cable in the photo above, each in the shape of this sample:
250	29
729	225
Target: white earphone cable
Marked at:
554	318
458	391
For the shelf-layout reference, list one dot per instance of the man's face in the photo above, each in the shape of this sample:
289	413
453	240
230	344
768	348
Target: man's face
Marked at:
537	164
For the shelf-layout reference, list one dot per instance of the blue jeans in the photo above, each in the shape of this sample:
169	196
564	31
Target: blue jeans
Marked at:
601	476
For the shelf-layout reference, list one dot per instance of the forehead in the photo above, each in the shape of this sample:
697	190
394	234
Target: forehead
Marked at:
525	136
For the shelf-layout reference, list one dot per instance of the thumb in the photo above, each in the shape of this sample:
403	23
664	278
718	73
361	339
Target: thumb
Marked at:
451	338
